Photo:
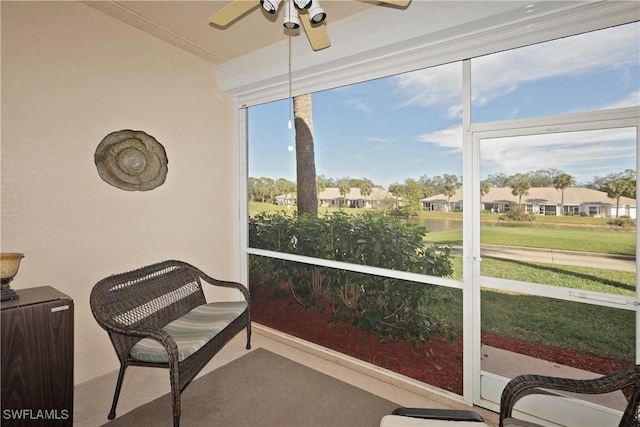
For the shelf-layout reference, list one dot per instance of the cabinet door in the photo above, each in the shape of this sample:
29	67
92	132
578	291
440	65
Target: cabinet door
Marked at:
37	364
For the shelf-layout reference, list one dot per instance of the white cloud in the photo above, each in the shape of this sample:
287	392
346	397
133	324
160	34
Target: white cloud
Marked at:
631	100
498	74
445	138
578	153
431	86
376	139
361	106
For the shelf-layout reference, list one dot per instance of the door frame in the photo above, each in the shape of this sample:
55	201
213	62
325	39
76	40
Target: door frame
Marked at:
487	387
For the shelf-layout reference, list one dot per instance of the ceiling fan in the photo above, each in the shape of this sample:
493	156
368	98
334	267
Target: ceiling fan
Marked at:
309	13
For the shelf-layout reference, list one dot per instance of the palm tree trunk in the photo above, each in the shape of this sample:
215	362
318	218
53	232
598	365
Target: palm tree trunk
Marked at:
305	157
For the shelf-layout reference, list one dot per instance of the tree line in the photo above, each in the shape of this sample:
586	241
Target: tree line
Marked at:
616	185
266	189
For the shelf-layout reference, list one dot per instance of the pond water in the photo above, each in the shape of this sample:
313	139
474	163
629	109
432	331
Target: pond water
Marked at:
446	224
437	224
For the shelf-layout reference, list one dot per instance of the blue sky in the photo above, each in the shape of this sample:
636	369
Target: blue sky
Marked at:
409	125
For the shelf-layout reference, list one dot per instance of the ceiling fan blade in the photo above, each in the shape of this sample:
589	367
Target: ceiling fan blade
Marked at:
232	11
401	3
317	34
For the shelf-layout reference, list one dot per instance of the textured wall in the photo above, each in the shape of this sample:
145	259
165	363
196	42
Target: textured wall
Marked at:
70	76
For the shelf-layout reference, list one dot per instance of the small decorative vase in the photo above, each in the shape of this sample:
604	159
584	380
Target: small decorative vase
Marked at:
9	264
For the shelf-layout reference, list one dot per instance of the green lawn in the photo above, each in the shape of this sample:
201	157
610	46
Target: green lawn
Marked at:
598	330
600	240
601	331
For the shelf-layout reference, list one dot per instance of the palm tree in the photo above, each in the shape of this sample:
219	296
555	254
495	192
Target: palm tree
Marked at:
344	187
485	187
560	182
617	189
398	190
305	157
321	184
366	187
520	186
449	190
267	188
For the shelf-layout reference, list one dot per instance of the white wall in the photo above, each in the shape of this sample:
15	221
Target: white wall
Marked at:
70	76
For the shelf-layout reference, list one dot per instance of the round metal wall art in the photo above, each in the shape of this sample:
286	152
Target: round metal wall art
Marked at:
131	160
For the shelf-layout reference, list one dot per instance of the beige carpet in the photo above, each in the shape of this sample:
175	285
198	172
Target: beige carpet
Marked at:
265	389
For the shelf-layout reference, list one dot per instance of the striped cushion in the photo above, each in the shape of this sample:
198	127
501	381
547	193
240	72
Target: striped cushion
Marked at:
191	331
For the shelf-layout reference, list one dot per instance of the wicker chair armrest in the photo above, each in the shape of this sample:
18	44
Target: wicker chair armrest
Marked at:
223	283
524	385
132	331
160	335
166	340
227	284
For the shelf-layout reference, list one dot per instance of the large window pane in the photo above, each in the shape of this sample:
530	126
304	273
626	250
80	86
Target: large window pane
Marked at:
409	328
587	72
382	148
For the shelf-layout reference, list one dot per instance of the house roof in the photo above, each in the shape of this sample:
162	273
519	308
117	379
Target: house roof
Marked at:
333	193
540	195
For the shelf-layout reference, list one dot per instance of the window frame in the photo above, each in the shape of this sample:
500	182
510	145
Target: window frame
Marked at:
387	62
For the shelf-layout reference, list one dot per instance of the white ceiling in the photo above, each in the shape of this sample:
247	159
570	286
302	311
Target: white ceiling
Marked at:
185	24
368	39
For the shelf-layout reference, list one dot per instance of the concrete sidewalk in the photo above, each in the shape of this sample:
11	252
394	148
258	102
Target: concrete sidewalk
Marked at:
554	256
510	364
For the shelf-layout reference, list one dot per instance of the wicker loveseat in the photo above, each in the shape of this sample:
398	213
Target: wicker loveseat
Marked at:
157	316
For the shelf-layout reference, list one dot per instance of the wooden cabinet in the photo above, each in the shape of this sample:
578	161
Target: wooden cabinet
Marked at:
37	358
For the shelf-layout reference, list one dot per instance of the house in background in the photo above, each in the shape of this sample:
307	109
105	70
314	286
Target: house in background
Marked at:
541	201
289	199
331	197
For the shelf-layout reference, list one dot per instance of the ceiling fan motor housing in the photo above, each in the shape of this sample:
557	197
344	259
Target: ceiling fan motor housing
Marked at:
302	4
271	6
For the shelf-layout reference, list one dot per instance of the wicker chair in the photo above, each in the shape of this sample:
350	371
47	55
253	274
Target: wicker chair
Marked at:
136	308
524	385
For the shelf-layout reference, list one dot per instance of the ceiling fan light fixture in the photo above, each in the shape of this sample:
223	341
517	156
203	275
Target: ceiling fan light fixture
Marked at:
291	17
270	6
317	15
303	4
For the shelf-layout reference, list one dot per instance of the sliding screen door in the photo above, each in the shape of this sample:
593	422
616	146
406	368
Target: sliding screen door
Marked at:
557	277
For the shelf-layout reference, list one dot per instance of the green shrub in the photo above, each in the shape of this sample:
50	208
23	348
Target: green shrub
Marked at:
622	222
392	308
517	213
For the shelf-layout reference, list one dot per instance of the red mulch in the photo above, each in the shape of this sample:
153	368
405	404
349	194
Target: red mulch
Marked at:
436	361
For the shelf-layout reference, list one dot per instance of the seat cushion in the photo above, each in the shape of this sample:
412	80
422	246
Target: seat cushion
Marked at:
191	331
402	421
